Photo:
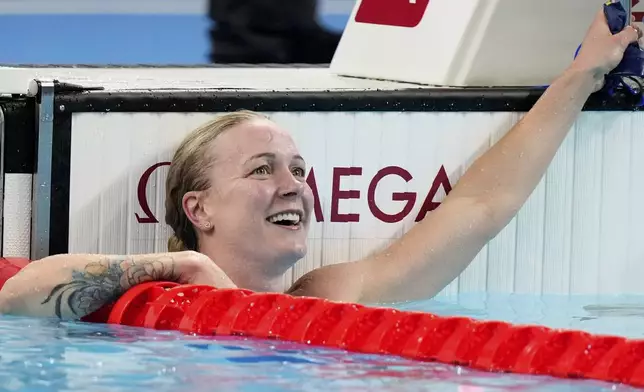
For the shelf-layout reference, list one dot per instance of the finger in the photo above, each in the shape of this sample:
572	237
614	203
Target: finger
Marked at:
629	35
639	31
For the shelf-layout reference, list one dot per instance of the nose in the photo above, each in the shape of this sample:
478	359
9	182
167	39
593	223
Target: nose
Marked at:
290	186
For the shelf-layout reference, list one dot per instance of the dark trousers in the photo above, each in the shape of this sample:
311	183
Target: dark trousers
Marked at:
269	31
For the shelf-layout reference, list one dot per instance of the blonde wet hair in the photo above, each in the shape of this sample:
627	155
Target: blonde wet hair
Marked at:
187	172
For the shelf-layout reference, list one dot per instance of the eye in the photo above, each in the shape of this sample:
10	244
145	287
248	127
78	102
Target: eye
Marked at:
299	172
262	170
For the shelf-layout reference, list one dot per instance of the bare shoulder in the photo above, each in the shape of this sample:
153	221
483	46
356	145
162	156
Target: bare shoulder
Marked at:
337	282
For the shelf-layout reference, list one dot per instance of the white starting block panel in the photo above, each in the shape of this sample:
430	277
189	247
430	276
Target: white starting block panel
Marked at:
463	42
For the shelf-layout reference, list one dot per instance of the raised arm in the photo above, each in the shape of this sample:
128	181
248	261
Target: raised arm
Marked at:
73	286
485	199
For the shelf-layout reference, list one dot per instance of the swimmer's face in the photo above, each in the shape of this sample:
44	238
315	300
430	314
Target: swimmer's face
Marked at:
259	202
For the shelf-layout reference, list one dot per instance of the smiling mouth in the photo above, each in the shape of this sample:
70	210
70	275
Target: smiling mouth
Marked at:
288	219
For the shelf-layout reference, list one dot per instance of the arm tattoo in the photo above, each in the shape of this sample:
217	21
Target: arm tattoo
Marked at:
105	281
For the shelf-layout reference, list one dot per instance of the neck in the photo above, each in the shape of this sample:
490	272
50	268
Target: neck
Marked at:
246	273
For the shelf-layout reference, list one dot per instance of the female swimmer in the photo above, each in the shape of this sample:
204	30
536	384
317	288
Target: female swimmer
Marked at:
240	209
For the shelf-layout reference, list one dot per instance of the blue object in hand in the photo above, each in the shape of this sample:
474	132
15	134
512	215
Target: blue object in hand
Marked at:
628	76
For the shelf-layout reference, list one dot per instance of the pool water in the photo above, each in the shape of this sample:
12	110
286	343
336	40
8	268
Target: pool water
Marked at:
48	355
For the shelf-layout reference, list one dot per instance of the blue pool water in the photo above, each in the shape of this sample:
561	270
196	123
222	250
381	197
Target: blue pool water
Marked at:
48	355
113	39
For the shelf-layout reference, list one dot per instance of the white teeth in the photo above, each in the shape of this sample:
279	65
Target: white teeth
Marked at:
291	217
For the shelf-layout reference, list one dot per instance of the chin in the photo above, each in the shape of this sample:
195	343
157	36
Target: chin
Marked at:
287	247
298	252
291	254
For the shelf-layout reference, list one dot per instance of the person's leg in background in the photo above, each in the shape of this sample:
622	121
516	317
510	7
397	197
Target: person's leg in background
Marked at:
269	31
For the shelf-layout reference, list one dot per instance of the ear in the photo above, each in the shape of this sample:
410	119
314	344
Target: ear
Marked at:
194	206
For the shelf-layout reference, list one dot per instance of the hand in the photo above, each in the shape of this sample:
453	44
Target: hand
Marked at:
601	51
197	268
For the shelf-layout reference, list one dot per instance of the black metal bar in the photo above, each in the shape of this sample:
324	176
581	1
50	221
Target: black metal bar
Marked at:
60	174
423	100
20	135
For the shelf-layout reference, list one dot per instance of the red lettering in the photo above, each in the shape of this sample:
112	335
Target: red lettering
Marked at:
429	204
317	207
143	199
637	15
409	197
337	194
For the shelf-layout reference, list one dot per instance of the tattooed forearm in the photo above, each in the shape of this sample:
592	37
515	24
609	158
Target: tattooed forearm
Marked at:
104	281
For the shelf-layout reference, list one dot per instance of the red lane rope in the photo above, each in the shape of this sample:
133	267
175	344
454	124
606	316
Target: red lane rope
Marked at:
485	345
